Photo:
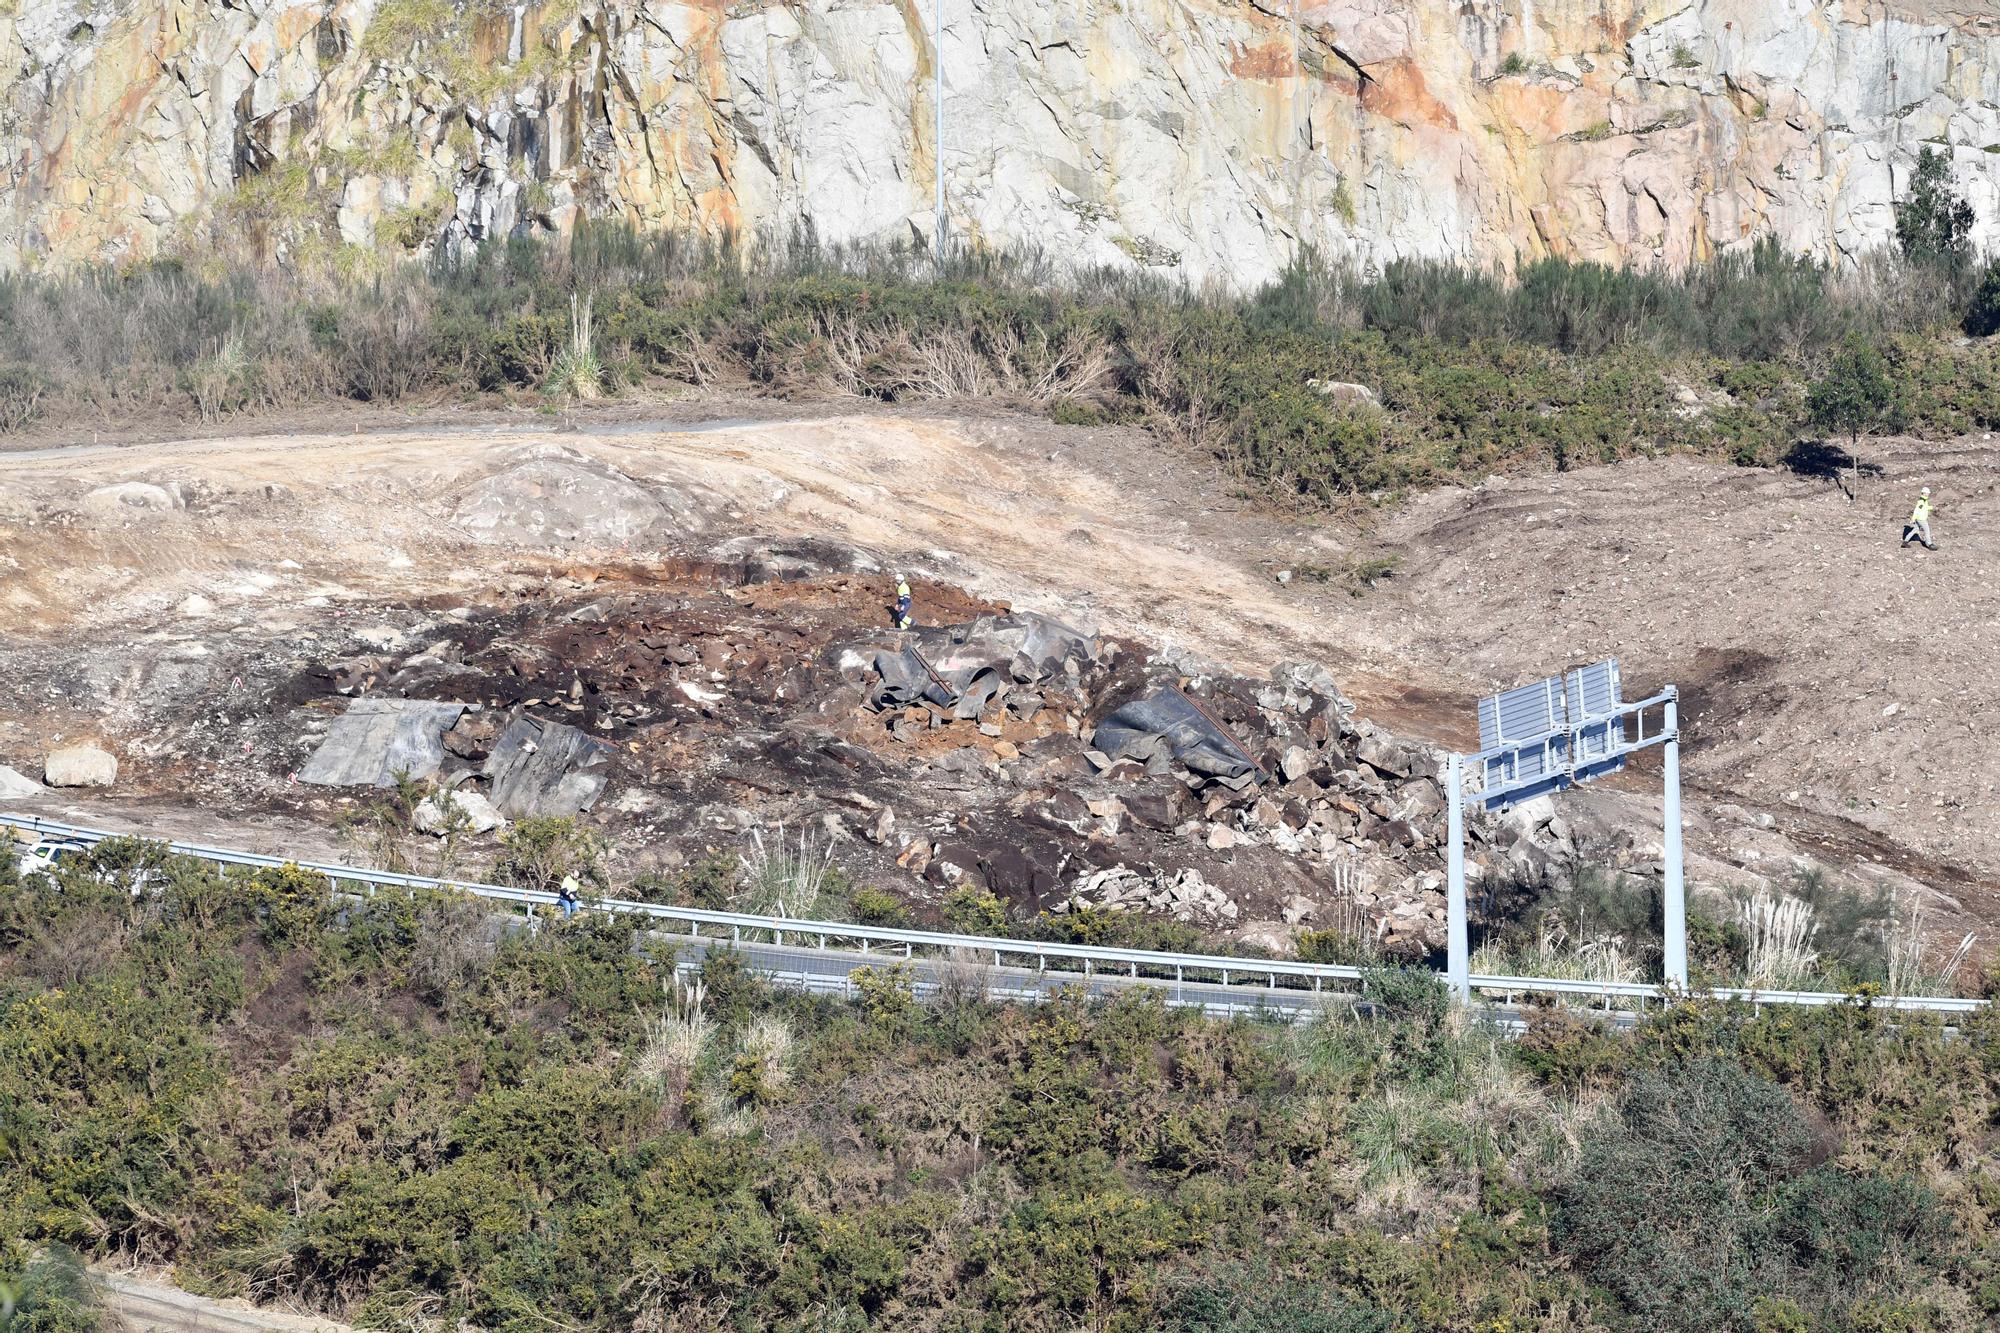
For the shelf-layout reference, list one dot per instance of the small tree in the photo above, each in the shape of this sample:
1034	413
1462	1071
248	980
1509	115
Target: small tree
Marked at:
1851	397
1982	316
1933	224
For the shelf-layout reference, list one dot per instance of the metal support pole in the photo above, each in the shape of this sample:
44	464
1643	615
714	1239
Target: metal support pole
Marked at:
1676	890
1458	952
937	139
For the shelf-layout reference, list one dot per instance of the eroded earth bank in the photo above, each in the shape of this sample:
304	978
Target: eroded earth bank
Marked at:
681	629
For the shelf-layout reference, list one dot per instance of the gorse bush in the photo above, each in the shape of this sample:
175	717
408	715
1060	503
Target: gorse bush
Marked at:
1699	1204
1561	364
409	1113
52	1293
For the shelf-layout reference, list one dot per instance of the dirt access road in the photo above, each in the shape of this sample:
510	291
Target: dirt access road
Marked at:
1834	680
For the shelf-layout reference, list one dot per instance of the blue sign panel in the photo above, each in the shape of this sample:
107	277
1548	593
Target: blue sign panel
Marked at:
1543	737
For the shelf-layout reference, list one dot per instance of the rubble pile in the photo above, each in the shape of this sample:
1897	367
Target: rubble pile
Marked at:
1189	781
682	705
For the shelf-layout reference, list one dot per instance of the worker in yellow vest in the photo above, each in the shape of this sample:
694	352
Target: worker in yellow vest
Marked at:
902	604
1919	526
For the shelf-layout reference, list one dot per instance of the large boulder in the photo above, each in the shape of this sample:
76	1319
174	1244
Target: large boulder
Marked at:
1394	758
128	499
467	810
17	786
1344	394
569	503
80	766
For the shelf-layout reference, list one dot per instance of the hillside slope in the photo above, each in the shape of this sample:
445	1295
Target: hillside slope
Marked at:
1207	138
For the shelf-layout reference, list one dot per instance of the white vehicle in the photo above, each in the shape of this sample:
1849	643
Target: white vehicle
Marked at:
38	858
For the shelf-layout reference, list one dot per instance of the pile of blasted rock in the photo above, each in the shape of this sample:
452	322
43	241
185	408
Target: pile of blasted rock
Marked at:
1184	895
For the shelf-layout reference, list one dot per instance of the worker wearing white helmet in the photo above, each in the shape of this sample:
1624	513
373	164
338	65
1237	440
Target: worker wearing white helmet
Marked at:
1919	526
902	604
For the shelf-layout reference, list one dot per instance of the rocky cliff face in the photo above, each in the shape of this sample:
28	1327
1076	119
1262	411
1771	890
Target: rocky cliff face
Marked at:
1210	138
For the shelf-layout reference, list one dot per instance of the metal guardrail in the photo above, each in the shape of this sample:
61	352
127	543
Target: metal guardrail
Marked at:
1083	960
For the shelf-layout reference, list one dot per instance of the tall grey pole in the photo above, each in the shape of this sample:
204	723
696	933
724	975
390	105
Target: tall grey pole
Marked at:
1458	954
1676	891
937	139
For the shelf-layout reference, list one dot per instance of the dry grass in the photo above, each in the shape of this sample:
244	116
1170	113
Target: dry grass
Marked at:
1914	969
674	1043
1602	958
785	879
1780	930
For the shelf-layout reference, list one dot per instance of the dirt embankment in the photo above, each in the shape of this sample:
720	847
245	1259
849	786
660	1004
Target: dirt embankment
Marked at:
1834	682
1827	672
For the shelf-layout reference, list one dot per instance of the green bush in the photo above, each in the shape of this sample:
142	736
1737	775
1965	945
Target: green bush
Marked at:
1257	1301
971	911
306	1103
54	1294
539	851
1561	364
1415	994
709	883
1663	1205
1982	316
22	389
876	907
1333	946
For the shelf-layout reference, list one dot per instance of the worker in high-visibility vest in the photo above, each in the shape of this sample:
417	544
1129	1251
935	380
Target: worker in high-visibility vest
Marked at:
1919	526
902	603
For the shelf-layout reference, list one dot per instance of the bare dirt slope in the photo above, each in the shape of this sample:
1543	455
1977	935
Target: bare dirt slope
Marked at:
1831	678
1826	670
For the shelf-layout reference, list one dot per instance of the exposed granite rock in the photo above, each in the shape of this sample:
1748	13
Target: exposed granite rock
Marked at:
1207	137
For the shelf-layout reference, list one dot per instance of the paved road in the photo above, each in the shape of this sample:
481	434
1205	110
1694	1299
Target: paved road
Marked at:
829	972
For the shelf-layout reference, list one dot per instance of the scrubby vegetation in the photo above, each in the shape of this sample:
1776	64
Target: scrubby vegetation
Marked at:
1563	363
405	1112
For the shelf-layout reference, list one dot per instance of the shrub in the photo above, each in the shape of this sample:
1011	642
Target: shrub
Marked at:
1333	946
55	1294
1666	1207
293	904
876	907
1565	363
562	1139
709	883
21	391
887	994
1982	315
539	851
1258	1301
1416	994
1837	1233
973	911
1568	1052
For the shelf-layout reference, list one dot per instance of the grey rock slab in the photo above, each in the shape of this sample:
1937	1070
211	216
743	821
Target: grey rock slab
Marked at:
129	499
542	768
375	739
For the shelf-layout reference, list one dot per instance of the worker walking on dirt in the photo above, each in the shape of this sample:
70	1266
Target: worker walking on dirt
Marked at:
902	604
1919	526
